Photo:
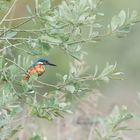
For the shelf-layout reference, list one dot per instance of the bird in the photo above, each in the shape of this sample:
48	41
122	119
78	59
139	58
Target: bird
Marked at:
37	68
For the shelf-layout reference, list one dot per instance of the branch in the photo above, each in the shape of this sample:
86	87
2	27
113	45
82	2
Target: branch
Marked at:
12	45
16	26
24	30
46	84
20	18
15	46
17	38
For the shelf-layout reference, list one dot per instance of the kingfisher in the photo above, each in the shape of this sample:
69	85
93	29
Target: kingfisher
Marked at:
37	68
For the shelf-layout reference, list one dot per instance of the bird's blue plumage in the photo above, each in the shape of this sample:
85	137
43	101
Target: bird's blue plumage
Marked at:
39	60
42	60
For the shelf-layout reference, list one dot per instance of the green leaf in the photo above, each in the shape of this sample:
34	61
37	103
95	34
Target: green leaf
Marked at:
69	111
70	88
49	39
133	16
105	79
59	76
97	25
45	47
82	3
36	137
90	3
45	6
29	9
15	130
65	77
62	105
115	22
1	62
4	5
98	133
10	34
122	16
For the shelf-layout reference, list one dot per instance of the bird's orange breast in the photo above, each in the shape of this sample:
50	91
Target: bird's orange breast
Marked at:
37	69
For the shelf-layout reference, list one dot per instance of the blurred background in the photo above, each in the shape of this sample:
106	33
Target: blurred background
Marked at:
124	51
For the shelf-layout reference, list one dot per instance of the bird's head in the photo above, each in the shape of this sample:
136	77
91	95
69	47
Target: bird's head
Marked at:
44	62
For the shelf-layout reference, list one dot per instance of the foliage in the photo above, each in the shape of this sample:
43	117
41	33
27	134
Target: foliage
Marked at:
36	137
110	128
63	27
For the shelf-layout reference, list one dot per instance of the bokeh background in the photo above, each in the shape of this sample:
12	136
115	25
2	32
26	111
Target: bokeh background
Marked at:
124	51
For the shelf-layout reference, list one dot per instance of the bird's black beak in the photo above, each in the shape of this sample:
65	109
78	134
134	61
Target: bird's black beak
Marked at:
51	64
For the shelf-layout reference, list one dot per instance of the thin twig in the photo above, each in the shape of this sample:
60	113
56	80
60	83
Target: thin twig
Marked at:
20	18
1	50
36	7
16	26
78	41
46	84
17	38
90	136
12	45
24	30
16	64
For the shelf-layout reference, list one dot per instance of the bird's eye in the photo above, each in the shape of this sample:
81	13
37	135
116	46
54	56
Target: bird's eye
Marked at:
46	62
